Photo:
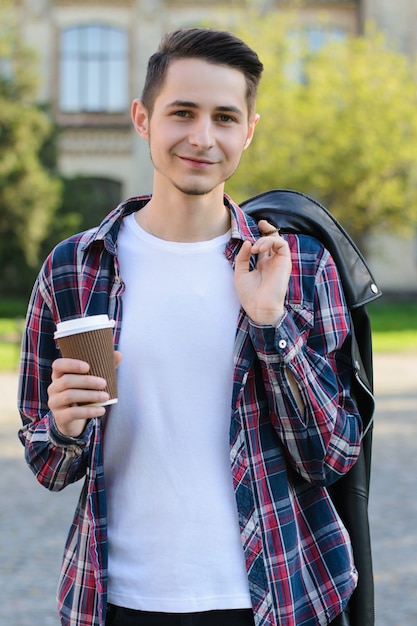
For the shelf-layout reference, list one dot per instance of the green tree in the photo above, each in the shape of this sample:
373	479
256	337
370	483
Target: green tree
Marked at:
85	202
29	193
339	124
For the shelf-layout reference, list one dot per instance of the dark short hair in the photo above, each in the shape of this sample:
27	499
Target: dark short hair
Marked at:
214	46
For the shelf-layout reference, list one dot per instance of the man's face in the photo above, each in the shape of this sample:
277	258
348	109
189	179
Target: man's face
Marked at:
199	126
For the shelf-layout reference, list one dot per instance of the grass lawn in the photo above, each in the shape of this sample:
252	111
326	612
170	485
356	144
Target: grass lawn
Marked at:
394	326
394	329
10	333
9	357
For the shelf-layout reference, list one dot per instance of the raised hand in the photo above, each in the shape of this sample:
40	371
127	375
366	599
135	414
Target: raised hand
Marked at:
262	291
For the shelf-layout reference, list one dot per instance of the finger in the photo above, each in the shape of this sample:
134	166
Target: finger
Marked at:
63	366
68	391
72	420
77	413
267	229
243	257
274	243
79	381
73	398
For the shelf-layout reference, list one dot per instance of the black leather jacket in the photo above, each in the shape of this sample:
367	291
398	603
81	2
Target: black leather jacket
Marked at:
291	211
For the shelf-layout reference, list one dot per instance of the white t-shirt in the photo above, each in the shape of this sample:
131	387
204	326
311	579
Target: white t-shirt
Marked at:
174	541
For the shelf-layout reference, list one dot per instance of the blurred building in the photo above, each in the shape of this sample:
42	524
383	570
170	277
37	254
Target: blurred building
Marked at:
93	55
397	18
394	258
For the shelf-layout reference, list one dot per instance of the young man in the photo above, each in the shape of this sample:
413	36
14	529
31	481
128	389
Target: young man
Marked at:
205	497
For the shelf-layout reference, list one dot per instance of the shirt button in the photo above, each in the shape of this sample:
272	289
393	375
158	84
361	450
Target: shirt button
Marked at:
282	343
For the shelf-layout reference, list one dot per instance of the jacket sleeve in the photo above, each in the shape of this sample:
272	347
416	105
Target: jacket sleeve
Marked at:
312	341
55	460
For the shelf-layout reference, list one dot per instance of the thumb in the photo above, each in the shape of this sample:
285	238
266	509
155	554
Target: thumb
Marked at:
117	358
243	258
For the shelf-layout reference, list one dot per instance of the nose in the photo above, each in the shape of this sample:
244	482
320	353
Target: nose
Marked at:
201	134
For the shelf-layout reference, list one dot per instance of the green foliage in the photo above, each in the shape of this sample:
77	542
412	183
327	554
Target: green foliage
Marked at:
339	124
12	308
28	192
85	202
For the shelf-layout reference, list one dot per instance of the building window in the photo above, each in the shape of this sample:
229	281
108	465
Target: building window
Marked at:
93	69
318	37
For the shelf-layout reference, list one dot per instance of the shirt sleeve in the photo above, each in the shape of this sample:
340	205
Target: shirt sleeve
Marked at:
55	460
312	340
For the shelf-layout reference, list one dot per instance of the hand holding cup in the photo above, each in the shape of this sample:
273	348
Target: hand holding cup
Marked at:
84	380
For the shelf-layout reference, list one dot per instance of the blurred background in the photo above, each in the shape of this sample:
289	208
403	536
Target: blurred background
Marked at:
338	106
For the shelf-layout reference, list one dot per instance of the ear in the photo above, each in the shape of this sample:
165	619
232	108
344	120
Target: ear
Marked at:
251	130
140	119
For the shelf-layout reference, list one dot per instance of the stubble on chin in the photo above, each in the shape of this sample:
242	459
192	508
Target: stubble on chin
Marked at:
192	191
187	191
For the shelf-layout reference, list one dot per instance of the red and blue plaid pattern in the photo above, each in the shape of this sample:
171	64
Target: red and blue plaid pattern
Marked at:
297	552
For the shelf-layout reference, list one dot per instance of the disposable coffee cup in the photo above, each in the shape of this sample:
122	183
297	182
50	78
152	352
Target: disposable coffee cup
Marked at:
90	339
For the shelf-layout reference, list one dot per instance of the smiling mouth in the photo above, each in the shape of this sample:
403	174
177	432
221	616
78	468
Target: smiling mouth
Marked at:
197	162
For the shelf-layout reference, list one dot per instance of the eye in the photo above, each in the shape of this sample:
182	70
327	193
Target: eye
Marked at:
182	114
224	118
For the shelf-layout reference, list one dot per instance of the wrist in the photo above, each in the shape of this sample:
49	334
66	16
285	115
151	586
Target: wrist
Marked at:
272	318
72	429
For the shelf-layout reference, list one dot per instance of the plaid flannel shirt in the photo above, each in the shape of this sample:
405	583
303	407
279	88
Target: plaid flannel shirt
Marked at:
297	552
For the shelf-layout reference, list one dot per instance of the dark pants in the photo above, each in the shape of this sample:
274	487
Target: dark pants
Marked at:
117	616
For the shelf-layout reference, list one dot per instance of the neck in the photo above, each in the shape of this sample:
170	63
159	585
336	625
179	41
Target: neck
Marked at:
185	219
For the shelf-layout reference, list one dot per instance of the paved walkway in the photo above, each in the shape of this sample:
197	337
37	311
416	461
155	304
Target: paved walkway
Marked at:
34	522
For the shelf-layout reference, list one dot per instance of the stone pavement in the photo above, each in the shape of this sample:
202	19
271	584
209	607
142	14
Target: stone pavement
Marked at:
34	522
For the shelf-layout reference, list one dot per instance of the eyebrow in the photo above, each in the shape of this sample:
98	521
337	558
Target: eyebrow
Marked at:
193	105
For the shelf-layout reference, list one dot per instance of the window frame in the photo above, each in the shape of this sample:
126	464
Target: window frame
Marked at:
103	68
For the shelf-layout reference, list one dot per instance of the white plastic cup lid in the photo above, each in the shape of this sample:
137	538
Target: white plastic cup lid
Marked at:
82	325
